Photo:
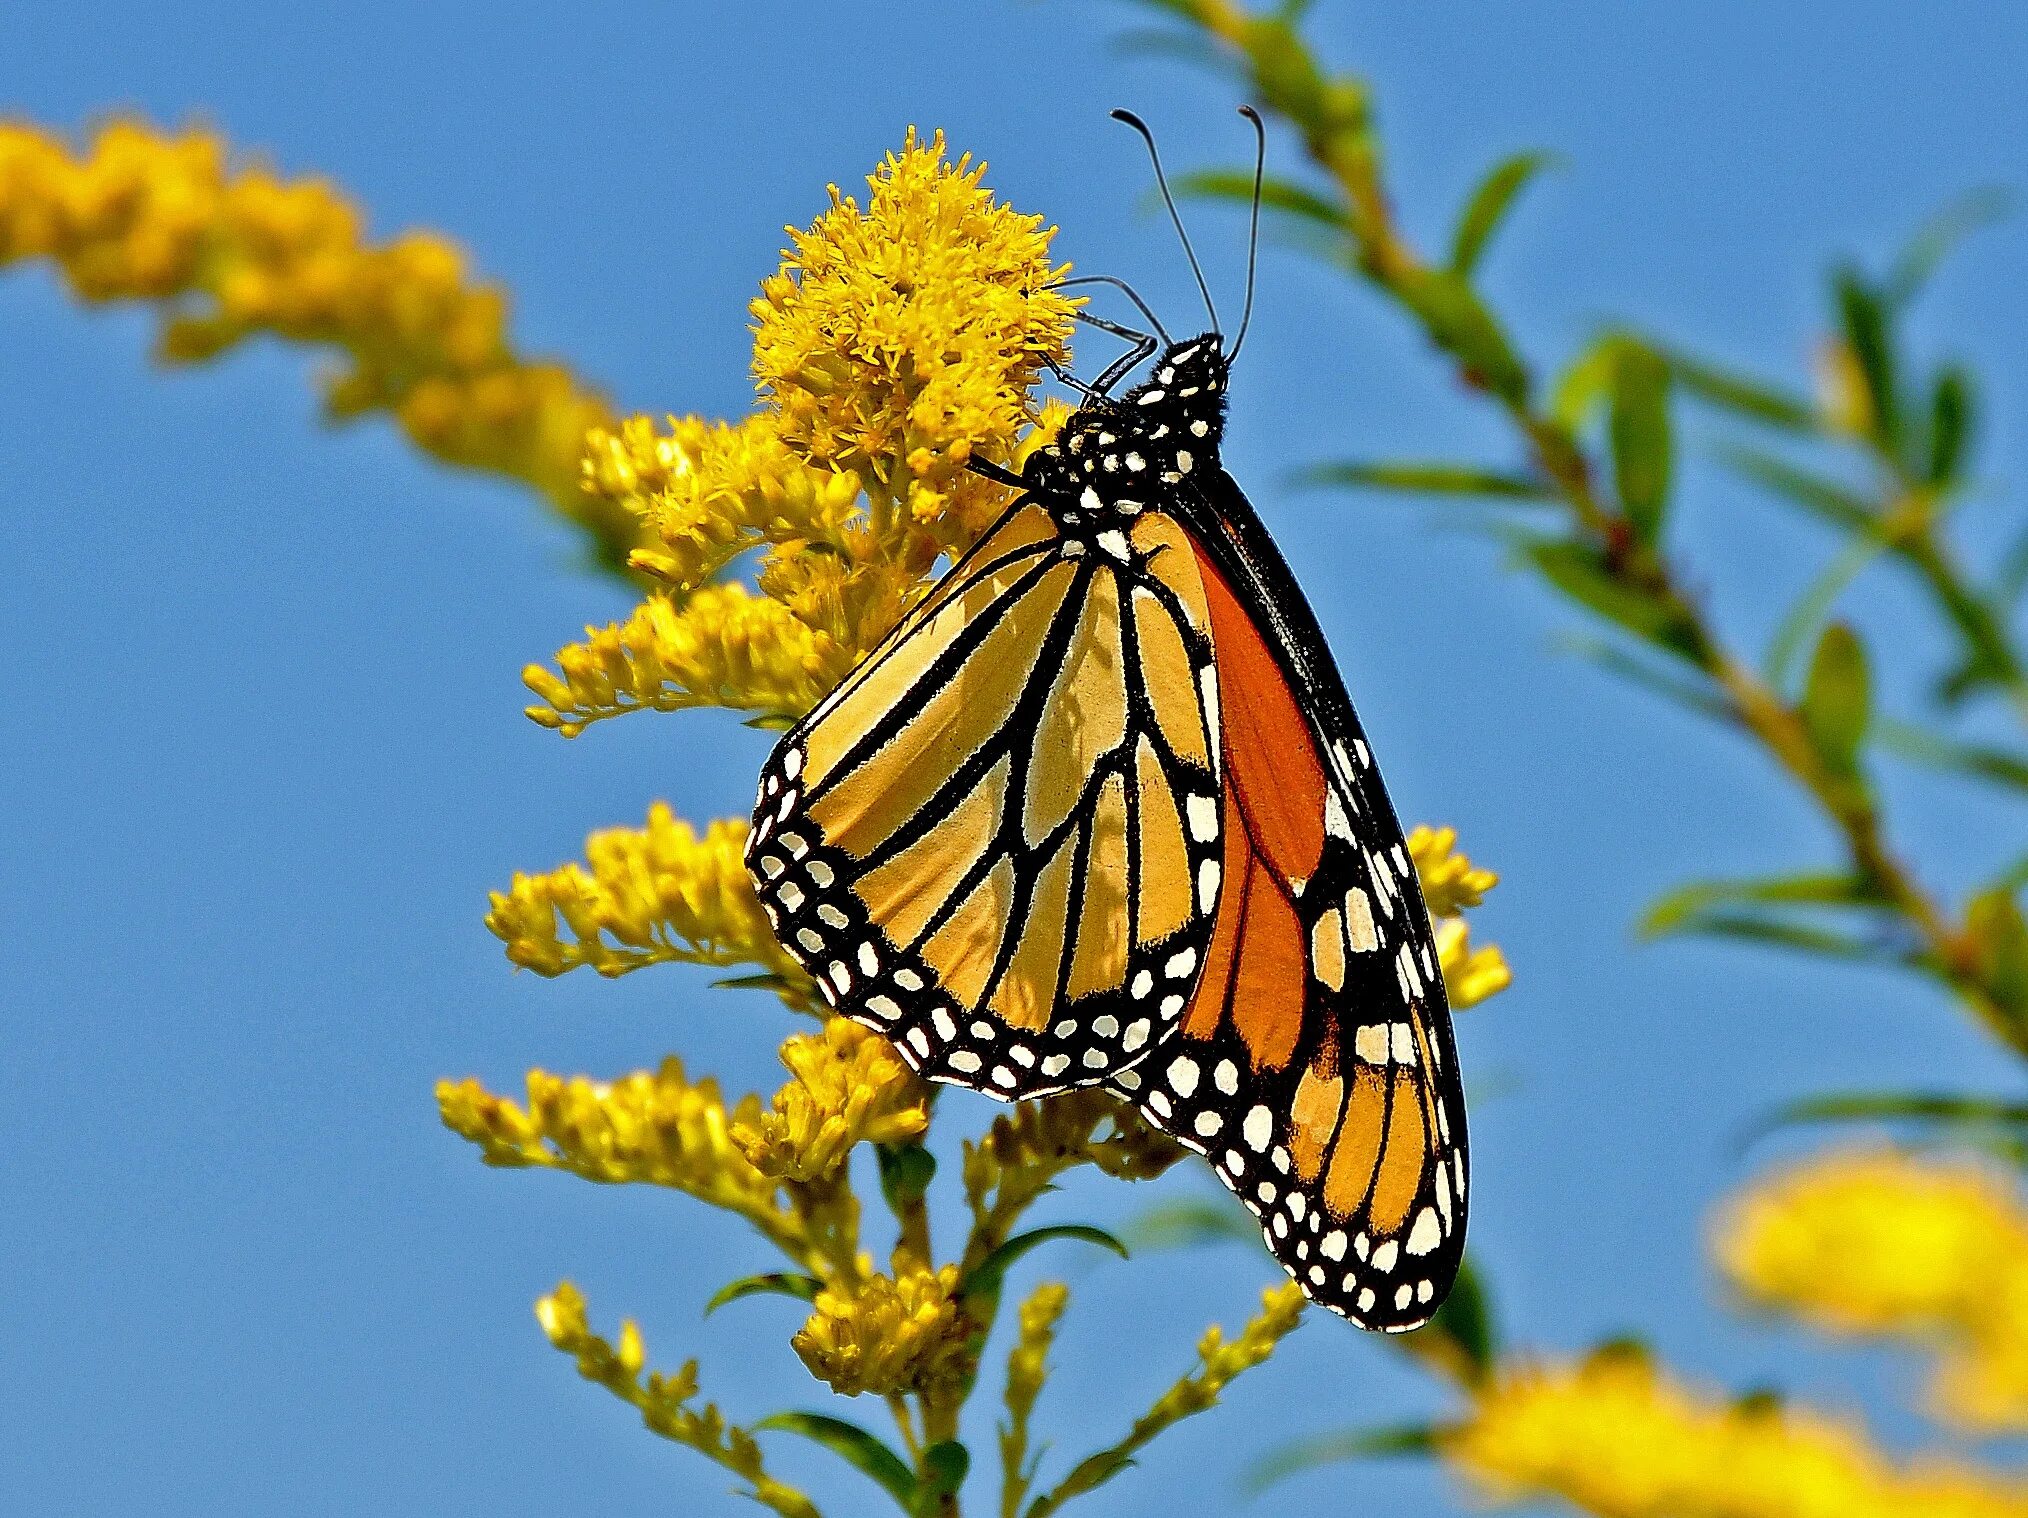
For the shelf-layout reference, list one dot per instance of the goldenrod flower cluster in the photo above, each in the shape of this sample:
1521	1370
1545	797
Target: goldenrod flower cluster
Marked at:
850	1088
646	896
1879	1242
236	252
1452	885
664	1401
886	1335
1614	1436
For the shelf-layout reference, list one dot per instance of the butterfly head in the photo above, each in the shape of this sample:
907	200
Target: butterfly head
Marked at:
1127	453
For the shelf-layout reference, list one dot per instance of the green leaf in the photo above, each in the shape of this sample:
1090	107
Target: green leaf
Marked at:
1431	478
1276	194
1864	319
1577	570
1882	1106
2000	941
1754	399
1459	323
1334	1449
1489	205
1838	698
856	1447
766	980
1977	760
1089	1474
1641	439
1183	1225
1820	497
1697	694
1466	1319
906	1171
1585	381
1678	910
1752	927
985	1277
944	1467
774	1283
1950	424
1938	236
1814	605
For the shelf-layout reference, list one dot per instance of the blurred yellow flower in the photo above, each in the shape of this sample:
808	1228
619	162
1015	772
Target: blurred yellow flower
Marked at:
850	1088
1451	883
1613	1436
888	1335
1470	975
233	253
644	896
1878	1242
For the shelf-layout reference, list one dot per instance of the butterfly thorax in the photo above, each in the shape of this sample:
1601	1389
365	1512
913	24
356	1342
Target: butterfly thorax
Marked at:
1117	457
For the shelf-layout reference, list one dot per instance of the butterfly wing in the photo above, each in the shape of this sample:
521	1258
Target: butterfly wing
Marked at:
997	841
1315	1066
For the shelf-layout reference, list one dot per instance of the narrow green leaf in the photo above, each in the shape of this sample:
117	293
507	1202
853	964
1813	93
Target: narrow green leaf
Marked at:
766	980
1820	497
1977	760
2000	939
1743	396
1419	477
1814	605
1670	911
1585	381
1577	571
1752	927
1276	194
856	1447
1951	420
1838	698
774	1283
1695	693
1938	237
1337	1448
944	1467
1641	441
1489	205
1459	323
986	1276
906	1171
1881	1106
1182	1225
1466	1318
1865	321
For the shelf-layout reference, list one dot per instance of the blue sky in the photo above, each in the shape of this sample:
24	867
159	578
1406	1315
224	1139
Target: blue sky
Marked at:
264	754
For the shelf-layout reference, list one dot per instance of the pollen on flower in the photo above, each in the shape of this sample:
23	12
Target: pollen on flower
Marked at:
1874	1242
1613	1436
1451	883
898	340
888	1335
643	896
1470	975
849	1088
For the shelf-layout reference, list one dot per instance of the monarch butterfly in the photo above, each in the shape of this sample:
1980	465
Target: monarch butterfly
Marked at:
1098	811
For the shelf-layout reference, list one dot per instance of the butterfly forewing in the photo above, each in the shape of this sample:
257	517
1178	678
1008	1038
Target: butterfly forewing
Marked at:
1315	1066
997	841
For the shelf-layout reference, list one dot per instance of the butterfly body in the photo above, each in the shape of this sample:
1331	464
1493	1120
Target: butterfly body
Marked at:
1099	811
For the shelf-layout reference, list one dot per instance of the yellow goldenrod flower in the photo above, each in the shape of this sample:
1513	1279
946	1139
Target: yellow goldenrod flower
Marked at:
850	1088
889	1335
1450	882
897	341
656	1127
1877	1242
664	1401
233	253
1470	975
1615	1437
720	646
643	897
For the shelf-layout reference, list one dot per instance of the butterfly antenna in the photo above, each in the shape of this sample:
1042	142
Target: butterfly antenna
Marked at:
1253	230
1118	284
1162	182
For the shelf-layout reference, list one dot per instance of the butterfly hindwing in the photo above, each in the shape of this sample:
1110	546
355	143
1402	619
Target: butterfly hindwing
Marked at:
1315	1067
996	842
